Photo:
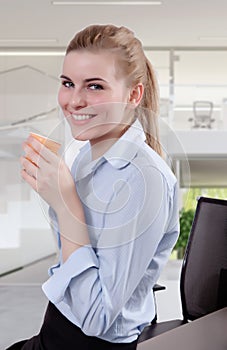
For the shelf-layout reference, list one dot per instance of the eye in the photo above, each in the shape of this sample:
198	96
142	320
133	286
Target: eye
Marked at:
68	84
95	87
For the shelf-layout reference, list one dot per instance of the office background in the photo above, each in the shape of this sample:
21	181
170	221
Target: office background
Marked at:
187	44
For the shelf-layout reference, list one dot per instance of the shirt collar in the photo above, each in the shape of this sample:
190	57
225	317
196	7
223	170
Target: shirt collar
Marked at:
121	153
125	149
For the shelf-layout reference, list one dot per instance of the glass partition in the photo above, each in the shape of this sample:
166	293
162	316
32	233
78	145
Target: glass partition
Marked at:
27	103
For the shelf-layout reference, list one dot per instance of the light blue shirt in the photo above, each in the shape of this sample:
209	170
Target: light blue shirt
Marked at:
130	202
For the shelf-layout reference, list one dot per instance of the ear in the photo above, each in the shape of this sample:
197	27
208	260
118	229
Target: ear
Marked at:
136	95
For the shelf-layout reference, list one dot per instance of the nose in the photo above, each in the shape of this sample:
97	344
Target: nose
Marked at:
77	100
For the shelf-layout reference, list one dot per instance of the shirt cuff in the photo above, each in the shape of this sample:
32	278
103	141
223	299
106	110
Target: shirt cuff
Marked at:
82	259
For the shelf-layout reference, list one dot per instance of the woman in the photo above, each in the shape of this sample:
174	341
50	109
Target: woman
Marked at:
115	213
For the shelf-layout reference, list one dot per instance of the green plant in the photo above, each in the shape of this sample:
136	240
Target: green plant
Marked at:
186	219
190	196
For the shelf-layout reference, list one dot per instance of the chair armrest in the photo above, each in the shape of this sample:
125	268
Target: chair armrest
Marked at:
155	289
158	287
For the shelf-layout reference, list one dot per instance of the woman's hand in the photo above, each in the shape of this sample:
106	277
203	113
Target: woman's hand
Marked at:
48	175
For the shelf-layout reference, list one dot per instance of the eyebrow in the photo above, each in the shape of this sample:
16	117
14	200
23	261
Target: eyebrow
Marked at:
92	79
86	80
64	77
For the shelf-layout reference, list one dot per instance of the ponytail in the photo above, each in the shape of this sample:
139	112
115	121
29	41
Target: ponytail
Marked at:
149	108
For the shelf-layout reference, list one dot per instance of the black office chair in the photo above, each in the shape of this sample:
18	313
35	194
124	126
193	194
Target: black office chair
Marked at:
203	280
202	111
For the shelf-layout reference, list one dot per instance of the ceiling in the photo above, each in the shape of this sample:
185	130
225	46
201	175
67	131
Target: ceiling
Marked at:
175	23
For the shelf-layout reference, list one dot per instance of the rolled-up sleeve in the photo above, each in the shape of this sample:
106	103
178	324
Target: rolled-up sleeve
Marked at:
80	261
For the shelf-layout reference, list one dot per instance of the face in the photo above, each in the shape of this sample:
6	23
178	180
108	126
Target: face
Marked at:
93	96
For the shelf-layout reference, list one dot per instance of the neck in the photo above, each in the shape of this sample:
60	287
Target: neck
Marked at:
101	147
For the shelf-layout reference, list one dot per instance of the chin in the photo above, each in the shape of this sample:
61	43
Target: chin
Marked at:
83	135
81	138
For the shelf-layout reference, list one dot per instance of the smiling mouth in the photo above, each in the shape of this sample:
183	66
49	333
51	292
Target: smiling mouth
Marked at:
82	116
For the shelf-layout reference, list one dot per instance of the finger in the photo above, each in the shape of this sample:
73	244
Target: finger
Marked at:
30	154
29	179
29	166
41	149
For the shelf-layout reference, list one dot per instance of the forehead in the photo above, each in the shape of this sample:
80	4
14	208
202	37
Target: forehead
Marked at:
85	63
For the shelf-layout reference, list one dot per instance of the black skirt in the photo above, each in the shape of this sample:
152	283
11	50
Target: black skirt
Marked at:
58	333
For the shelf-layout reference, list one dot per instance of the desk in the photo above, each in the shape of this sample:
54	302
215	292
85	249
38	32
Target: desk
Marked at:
206	333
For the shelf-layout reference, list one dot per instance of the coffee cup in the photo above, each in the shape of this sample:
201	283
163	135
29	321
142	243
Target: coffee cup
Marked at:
51	144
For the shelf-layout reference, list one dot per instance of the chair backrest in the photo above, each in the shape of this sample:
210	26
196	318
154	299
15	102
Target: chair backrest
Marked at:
203	274
202	109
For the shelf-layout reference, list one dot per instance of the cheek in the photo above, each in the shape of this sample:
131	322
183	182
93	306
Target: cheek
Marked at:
62	100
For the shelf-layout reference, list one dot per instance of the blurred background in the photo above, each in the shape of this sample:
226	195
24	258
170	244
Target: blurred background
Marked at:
187	43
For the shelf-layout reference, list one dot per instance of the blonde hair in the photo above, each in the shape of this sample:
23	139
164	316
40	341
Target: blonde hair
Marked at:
135	66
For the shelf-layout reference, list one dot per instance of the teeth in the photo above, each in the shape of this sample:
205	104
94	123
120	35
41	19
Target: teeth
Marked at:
82	116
